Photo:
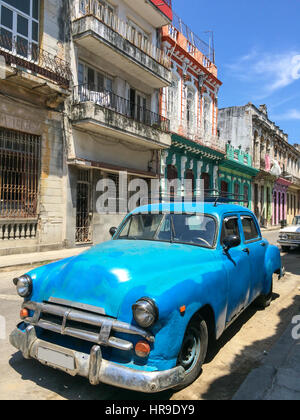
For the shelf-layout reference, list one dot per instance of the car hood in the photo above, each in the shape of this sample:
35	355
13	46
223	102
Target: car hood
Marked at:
291	229
118	272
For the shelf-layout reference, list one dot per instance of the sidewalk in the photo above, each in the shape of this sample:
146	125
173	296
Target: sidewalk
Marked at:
279	376
10	261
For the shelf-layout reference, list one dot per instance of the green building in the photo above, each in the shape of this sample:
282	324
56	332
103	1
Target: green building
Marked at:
236	173
190	160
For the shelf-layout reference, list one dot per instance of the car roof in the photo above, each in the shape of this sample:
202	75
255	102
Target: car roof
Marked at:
217	210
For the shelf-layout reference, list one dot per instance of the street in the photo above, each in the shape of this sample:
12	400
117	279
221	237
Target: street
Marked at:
243	346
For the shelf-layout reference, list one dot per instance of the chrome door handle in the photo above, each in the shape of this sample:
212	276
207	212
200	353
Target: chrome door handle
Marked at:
247	250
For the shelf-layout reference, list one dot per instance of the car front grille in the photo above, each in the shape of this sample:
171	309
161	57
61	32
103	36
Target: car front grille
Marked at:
87	326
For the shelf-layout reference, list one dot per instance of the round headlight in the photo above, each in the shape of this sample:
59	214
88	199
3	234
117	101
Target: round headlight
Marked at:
24	286
145	312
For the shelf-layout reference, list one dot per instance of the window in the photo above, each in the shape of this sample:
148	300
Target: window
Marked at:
230	227
19	27
236	191
19	174
99	8
190	110
246	195
94	86
206	180
137	36
249	228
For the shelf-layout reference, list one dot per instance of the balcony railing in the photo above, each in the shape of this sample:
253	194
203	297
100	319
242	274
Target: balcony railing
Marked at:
111	101
194	42
18	229
107	17
31	57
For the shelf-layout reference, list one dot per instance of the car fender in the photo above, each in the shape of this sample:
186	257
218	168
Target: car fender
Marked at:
273	265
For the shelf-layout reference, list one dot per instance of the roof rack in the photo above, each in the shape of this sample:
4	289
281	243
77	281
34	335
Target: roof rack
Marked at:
207	196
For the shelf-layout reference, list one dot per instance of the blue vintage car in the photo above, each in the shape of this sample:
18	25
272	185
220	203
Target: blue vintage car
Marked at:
138	312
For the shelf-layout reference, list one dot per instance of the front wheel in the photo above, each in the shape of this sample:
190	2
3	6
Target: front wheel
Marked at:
193	351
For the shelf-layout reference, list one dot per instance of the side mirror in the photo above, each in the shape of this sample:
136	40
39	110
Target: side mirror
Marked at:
231	241
113	231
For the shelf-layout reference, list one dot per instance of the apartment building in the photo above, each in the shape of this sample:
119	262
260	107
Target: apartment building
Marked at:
114	123
191	105
275	196
34	83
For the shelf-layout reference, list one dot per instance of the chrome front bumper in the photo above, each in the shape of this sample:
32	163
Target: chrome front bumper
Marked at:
289	242
96	369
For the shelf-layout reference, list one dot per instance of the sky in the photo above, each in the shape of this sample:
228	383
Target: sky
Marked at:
257	46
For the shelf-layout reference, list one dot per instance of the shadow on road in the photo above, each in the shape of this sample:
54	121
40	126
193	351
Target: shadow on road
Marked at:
242	366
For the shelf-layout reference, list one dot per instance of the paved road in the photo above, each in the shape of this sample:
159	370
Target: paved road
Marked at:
243	346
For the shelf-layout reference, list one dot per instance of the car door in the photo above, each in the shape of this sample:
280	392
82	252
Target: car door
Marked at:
255	247
238	270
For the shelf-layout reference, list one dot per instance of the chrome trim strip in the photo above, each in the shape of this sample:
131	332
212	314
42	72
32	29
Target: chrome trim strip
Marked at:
76	305
105	324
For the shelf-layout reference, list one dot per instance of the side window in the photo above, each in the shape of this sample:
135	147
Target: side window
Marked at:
230	227
249	228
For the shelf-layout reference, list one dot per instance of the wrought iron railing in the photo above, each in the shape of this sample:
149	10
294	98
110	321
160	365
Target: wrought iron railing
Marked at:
107	17
19	175
109	100
31	57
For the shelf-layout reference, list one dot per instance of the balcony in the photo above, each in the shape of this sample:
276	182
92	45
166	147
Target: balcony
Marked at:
25	62
102	33
157	12
113	116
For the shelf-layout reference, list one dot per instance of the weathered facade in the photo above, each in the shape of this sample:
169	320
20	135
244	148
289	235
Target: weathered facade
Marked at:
276	159
35	81
191	105
114	121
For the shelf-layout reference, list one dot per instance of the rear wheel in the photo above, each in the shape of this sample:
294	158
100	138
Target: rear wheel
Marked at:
264	301
193	351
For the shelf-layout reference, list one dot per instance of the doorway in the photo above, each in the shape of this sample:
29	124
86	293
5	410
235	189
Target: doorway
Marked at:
83	208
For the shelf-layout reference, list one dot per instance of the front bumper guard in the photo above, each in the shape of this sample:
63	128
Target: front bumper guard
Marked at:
95	368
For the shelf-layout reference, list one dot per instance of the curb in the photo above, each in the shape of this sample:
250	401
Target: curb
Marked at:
261	382
29	260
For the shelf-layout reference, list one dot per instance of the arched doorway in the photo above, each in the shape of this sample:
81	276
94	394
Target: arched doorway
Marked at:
236	191
246	195
224	188
190	183
206	178
172	176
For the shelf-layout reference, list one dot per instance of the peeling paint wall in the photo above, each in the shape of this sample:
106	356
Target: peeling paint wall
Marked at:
24	107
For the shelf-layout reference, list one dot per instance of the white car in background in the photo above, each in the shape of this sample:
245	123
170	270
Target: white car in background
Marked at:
289	237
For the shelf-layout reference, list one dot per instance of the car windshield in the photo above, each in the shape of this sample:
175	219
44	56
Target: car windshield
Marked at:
194	229
296	220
